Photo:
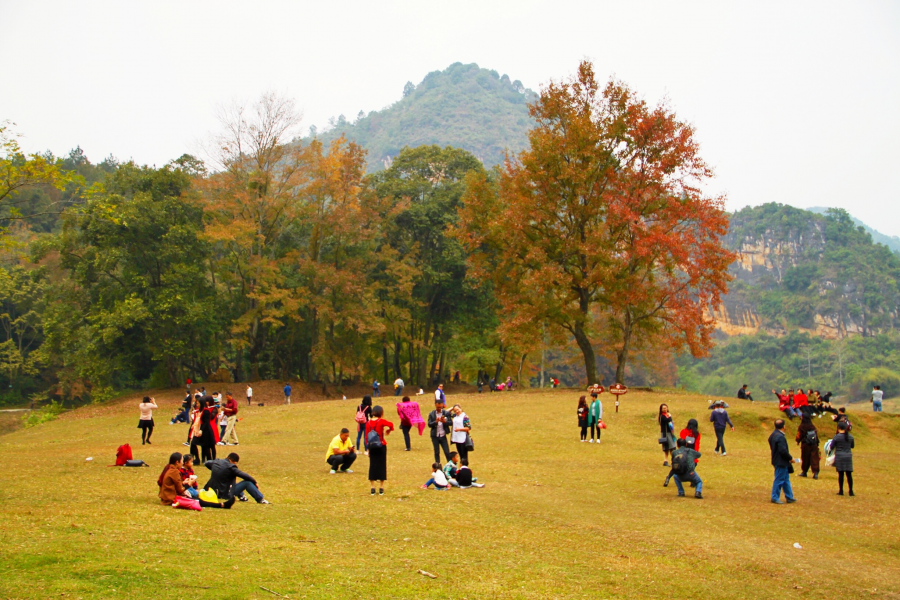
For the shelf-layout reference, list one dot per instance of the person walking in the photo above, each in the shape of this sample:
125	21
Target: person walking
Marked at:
877	397
377	431
808	438
341	453
842	444
287	393
249	394
398	387
231	410
376	388
461	428
583	417
363	415
439	421
410	416
595	417
145	424
781	460
666	431
719	418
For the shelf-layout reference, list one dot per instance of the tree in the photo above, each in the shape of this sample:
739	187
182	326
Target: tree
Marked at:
408	89
600	228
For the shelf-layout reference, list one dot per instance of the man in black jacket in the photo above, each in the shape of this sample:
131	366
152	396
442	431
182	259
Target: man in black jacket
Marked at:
224	472
440	421
781	460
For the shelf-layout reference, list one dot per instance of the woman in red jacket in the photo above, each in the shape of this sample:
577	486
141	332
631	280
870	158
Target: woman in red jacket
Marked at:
691	435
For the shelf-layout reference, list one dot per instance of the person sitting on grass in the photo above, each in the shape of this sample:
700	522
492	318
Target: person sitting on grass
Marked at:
223	476
451	468
341	453
437	478
744	393
684	461
464	476
188	478
170	484
784	404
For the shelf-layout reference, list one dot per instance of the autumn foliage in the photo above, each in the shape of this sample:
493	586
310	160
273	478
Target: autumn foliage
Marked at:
601	229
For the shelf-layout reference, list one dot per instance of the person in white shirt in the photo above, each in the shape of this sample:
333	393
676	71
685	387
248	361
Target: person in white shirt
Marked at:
249	395
437	478
398	387
145	424
877	397
439	394
461	427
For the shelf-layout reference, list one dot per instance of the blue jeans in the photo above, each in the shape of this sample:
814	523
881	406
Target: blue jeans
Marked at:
436	486
193	492
376	392
399	391
876	407
692	477
248	486
782	482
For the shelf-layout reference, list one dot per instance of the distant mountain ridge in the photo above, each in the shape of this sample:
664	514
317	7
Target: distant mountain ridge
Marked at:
891	241
463	106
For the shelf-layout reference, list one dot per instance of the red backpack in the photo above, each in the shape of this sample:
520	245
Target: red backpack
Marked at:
123	455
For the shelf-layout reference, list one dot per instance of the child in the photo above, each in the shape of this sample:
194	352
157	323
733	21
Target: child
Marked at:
437	478
464	476
450	469
223	424
189	480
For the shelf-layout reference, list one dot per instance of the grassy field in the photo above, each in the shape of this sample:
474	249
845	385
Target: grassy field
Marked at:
558	518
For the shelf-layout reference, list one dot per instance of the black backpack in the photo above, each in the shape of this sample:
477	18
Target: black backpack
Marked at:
373	440
812	438
680	464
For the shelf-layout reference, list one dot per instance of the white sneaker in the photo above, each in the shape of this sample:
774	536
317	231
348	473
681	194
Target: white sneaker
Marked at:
332	472
724	454
347	471
220	444
366	452
591	441
583	441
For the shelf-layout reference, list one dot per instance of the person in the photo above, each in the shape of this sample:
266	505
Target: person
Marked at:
691	434
145	424
464	476
439	394
376	388
249	394
583	417
341	452
781	460
363	414
439	421
437	478
684	465
744	393
841	417
480	386
223	476
719	418
410	415
287	393
456	377
461	428
451	468
666	431
378	453
595	417
801	403
842	444
784	404
398	387
207	429
509	384
170	483
188	477
808	438
877	397
492	384
230	411
223	424
182	415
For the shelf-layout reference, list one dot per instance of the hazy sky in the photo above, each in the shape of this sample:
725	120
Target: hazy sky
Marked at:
794	102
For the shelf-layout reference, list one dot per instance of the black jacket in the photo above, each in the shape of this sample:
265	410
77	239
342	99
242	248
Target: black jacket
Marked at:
781	456
223	476
448	424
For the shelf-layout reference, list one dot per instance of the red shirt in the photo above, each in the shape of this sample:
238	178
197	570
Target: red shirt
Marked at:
687	432
800	400
783	401
379	425
231	407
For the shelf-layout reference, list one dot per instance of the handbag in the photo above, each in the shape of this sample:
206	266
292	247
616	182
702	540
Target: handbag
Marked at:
791	468
663	440
188	503
209	496
470	443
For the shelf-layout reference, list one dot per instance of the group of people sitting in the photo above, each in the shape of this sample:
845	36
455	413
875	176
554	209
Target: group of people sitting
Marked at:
798	404
456	473
178	483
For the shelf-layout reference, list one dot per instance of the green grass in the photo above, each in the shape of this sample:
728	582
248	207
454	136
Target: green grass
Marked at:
558	518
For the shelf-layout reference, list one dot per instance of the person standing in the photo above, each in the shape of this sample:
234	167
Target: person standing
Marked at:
363	415
341	453
877	397
842	444
145	424
439	421
461	428
781	460
410	415
398	387
583	417
380	427
808	438
249	394
719	418
231	411
287	393
439	394
666	431
595	417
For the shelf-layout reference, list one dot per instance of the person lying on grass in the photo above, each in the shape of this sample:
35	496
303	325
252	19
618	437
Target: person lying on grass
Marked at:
464	476
437	478
223	476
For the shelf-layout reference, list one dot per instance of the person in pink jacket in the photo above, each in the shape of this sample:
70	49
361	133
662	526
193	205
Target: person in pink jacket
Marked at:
410	415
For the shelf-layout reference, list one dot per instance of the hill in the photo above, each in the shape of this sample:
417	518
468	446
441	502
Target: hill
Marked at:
557	518
891	241
463	106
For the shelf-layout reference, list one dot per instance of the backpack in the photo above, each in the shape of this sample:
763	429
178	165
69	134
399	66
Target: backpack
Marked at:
812	437
680	464
361	414
372	439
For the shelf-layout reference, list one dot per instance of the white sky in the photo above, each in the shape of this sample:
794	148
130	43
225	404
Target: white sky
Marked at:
794	102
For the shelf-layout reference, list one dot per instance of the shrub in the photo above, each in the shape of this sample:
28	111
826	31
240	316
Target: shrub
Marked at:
43	415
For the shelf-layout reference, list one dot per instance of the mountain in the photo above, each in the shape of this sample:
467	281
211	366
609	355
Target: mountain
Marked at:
891	241
462	106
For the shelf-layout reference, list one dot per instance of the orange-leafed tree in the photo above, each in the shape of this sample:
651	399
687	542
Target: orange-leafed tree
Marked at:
601	227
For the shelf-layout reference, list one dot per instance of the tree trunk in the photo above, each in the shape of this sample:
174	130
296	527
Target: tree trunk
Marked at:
441	368
519	374
397	349
622	355
384	357
587	350
500	364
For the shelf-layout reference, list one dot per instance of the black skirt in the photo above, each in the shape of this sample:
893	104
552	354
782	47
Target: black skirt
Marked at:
378	464
142	424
